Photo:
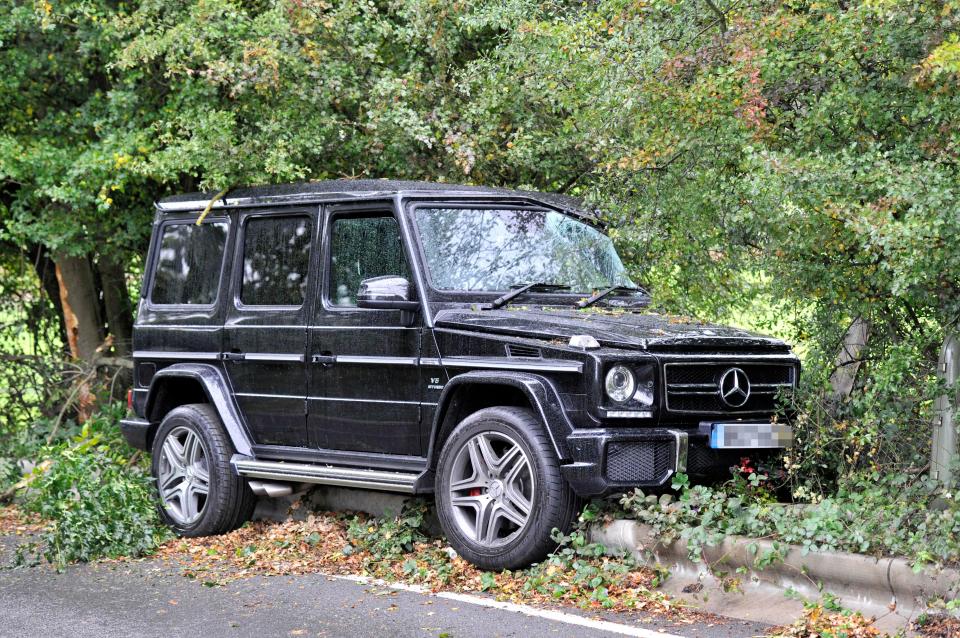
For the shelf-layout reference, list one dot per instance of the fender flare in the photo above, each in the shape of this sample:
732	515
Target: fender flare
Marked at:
217	389
539	390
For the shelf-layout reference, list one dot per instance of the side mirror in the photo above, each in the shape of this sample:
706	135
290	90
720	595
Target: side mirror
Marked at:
386	293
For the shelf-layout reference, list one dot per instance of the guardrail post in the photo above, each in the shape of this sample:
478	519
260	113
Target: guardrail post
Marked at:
944	426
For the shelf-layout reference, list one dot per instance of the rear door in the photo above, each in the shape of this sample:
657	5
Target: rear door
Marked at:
265	333
365	386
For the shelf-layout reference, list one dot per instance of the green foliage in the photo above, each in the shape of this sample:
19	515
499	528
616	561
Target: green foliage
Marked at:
791	165
9	472
870	513
581	566
389	537
34	422
798	154
98	504
577	572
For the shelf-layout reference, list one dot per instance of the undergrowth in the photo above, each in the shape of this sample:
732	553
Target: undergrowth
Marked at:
870	513
577	572
400	548
98	501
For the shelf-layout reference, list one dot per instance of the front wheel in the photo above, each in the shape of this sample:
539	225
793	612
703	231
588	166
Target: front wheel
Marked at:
499	489
199	493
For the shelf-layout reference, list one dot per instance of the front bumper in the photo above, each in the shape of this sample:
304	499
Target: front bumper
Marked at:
608	461
616	460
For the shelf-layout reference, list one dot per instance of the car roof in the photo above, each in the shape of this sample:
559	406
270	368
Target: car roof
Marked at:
359	189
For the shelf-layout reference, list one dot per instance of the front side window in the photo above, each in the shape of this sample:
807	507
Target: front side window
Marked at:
276	258
189	263
361	248
490	249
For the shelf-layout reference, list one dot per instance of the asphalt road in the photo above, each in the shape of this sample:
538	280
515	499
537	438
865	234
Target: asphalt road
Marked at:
151	598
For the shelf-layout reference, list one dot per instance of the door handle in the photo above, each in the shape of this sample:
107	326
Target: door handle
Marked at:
233	356
324	359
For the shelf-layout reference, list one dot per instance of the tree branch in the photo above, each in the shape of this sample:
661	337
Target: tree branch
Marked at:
721	16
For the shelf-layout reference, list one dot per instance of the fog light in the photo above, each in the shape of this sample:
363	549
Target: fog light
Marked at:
620	383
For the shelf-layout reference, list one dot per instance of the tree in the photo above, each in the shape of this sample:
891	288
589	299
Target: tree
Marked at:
796	159
68	131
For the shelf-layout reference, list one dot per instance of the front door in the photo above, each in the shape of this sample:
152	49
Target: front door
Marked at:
265	334
364	372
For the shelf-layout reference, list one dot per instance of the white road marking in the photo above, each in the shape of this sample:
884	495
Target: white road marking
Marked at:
558	616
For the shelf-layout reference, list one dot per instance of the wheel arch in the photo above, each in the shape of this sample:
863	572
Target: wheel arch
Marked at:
469	392
186	383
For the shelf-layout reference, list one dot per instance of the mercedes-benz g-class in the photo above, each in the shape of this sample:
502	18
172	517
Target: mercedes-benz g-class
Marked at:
483	345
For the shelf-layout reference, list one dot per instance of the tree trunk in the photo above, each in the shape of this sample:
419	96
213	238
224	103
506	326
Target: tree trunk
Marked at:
81	305
116	301
848	359
46	270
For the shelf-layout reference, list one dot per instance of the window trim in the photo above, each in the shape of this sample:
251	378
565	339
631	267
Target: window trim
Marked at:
241	253
155	264
357	213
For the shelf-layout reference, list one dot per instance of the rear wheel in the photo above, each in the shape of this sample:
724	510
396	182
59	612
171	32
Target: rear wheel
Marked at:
199	493
499	489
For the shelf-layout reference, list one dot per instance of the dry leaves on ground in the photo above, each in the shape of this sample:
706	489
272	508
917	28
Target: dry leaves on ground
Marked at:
14	521
322	544
938	627
818	622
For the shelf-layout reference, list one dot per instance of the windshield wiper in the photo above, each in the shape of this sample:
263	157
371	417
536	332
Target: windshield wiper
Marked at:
504	299
597	296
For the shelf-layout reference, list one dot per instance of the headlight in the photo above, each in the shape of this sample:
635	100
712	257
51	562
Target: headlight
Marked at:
620	383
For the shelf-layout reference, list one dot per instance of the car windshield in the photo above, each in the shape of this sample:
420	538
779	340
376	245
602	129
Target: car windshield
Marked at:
487	249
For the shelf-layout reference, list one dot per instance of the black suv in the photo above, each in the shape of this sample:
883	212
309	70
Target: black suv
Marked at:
483	345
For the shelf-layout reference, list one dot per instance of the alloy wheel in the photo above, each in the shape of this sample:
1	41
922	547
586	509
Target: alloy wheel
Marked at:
184	475
491	488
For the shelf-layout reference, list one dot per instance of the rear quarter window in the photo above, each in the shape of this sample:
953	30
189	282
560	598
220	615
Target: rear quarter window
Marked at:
189	262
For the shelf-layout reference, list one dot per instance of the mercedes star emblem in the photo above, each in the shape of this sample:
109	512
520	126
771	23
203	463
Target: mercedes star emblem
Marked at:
734	387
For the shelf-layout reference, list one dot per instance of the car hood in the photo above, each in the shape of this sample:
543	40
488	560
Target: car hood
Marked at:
635	330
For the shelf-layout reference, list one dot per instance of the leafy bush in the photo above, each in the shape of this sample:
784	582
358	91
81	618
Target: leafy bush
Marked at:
870	513
9	472
40	401
795	158
99	504
389	537
883	427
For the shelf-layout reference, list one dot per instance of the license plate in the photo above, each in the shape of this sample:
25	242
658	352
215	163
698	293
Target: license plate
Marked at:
750	435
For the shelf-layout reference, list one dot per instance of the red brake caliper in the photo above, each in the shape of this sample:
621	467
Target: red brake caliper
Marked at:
475	491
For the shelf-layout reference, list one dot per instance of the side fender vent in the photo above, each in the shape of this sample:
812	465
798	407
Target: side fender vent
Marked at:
516	350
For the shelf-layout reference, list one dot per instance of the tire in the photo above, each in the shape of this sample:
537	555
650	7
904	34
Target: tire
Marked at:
191	452
496	540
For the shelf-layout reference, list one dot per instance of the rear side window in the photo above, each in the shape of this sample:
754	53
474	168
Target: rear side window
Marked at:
189	264
276	257
361	248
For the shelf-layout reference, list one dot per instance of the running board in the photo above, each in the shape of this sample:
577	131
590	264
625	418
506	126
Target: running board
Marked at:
324	474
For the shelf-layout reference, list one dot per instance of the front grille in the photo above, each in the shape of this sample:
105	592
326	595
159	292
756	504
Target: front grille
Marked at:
695	387
640	462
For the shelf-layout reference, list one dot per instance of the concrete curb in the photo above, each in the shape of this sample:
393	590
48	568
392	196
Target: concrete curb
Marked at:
883	587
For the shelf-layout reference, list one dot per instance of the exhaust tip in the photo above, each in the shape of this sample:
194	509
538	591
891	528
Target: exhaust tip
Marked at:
270	489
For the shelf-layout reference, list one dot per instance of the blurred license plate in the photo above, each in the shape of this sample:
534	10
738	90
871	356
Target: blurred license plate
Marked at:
750	435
